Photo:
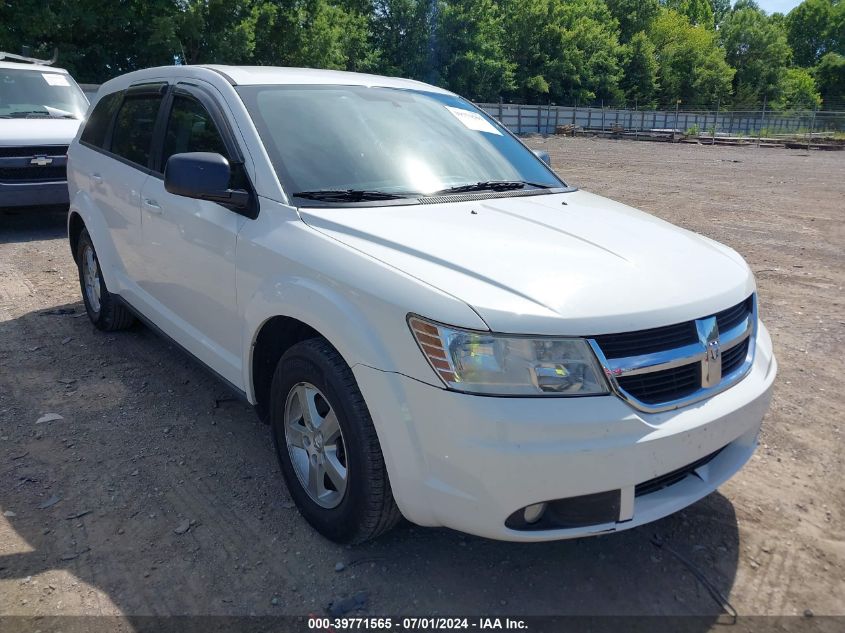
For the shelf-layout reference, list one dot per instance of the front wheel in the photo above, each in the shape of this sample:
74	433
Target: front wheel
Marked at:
327	446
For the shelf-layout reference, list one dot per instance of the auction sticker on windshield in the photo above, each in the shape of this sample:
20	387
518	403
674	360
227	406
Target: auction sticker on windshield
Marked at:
473	120
55	80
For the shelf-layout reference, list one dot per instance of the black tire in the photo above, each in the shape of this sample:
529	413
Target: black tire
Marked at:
367	508
112	314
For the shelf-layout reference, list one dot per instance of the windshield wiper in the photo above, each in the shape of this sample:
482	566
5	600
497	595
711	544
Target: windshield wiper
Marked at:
351	195
492	185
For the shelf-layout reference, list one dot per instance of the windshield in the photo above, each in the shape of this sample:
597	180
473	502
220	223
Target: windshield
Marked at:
370	141
39	93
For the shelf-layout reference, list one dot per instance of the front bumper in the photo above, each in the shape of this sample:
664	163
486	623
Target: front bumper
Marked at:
33	194
468	462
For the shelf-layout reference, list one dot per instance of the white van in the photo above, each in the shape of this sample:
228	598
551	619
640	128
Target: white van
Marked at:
41	108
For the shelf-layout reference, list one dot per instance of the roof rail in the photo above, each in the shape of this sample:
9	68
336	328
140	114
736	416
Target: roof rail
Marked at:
30	60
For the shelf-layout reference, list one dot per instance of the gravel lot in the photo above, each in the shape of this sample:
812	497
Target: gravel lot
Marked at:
147	441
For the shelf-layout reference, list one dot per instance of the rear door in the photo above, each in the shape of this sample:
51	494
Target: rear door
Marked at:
117	176
189	245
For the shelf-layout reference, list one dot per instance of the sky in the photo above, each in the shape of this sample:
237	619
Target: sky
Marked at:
778	6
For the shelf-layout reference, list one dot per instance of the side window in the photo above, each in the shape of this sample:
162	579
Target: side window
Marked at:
133	129
191	129
98	123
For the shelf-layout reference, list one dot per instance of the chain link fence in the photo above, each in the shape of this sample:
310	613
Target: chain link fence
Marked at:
547	119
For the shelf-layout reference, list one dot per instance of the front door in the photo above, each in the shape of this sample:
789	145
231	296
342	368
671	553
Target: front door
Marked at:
189	245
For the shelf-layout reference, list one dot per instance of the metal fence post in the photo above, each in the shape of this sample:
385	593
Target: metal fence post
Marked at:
519	118
812	128
762	121
602	115
675	127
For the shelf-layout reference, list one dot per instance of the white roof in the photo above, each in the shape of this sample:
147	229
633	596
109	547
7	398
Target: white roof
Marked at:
41	68
263	75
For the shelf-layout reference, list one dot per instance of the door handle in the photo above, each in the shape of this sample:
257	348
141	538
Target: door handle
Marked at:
152	206
97	179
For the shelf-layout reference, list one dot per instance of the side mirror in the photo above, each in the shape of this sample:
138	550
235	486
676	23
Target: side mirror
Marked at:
203	176
543	155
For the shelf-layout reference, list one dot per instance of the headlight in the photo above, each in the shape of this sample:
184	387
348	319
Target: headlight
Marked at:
496	364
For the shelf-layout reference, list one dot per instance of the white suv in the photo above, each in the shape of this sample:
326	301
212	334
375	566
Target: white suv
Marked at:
431	321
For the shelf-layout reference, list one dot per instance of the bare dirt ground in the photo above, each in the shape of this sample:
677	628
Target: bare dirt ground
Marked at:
91	502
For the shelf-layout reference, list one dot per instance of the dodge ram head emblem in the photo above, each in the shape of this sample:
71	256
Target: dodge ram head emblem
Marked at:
714	350
41	161
711	363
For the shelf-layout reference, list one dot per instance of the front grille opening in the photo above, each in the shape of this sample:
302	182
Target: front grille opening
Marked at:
676	476
735	315
33	174
733	358
647	341
665	385
33	150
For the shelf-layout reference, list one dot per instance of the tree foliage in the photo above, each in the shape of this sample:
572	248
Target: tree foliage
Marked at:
814	28
830	77
691	63
797	91
759	52
562	51
640	71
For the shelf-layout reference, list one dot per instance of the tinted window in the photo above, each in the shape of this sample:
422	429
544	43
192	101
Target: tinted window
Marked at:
98	123
133	129
191	129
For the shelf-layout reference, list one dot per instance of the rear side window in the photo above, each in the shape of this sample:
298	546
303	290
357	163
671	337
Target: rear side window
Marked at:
191	129
133	128
98	123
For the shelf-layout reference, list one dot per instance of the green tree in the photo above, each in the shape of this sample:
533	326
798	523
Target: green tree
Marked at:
759	52
633	16
525	47
400	32
830	77
97	39
335	37
698	12
568	50
472	59
815	27
640	71
721	8
691	63
797	91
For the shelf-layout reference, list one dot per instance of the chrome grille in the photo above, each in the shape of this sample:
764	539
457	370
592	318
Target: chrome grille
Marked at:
660	386
668	367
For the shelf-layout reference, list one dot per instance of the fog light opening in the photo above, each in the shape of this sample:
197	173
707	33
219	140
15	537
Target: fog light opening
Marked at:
534	513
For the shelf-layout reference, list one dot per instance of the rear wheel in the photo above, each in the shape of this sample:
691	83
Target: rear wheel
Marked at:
103	308
327	446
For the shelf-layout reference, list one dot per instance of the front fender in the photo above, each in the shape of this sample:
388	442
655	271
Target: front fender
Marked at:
359	304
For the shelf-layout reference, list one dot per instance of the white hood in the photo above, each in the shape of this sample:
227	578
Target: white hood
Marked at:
572	263
37	131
